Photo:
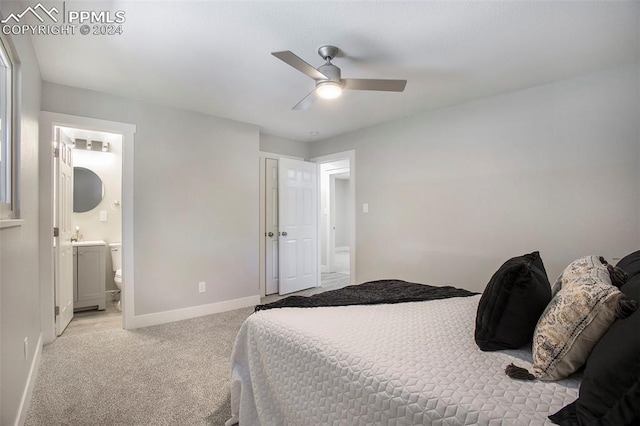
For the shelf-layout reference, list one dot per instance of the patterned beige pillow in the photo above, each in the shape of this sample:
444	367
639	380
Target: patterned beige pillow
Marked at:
586	269
585	304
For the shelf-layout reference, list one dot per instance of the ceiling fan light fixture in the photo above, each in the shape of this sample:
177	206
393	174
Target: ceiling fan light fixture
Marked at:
328	79
328	90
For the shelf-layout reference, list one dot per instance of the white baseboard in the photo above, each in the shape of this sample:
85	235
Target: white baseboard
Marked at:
324	268
343	248
195	311
28	389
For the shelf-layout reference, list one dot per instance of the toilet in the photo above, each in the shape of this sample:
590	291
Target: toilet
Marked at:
116	261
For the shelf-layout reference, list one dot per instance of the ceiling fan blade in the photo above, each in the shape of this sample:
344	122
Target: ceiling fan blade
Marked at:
306	101
299	64
372	84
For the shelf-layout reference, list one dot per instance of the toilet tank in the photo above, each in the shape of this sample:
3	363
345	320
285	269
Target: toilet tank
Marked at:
116	255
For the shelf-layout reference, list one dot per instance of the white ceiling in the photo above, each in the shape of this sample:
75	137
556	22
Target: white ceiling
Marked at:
214	57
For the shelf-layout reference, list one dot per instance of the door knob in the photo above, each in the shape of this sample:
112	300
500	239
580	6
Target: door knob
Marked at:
270	234
284	233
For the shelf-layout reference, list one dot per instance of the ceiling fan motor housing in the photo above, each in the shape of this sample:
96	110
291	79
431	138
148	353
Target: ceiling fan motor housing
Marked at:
331	71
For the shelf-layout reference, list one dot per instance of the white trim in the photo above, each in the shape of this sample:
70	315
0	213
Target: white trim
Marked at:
47	121
192	312
11	223
331	223
9	142
28	389
128	265
351	155
47	292
262	264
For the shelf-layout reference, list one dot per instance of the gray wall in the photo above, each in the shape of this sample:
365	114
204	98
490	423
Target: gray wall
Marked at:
196	199
453	193
19	277
278	145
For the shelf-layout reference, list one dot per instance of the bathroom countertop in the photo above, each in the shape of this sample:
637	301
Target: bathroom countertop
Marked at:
88	243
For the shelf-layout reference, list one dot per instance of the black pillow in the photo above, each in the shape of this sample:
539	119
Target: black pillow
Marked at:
610	388
512	303
630	264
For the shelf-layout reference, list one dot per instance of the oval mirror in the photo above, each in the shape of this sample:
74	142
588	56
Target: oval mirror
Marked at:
88	190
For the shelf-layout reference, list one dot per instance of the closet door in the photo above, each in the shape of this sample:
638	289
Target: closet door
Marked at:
298	225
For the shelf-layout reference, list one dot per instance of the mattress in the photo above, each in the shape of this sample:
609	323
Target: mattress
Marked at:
394	364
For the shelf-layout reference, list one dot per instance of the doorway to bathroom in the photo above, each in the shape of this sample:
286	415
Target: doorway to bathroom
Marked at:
96	227
85	200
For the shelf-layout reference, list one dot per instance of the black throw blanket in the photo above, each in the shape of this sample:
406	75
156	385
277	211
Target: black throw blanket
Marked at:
371	293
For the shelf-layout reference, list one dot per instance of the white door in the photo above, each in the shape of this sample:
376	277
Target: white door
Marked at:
63	251
298	225
271	230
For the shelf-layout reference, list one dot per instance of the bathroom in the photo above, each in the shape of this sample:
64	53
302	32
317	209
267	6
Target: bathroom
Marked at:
96	222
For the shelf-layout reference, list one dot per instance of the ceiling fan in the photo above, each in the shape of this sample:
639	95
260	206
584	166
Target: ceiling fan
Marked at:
329	84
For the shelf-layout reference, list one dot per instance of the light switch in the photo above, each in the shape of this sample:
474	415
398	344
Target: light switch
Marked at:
103	215
365	208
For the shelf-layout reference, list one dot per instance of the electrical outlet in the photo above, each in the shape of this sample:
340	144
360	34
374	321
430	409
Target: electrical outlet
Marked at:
202	287
26	348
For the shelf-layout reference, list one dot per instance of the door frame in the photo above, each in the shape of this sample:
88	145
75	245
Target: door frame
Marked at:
271	234
263	217
47	294
351	156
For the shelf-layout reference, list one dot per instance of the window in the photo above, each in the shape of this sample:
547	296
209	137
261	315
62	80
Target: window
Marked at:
6	128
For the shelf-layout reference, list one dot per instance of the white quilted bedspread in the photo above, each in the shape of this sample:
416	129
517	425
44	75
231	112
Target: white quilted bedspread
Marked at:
401	364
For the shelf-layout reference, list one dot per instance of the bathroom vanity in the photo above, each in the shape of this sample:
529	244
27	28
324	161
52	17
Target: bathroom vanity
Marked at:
89	258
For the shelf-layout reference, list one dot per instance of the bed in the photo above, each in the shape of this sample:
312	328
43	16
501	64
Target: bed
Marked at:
391	364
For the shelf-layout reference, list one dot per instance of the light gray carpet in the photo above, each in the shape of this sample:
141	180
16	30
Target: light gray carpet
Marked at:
172	374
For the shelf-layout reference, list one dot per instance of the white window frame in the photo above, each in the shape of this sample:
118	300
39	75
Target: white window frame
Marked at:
7	130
